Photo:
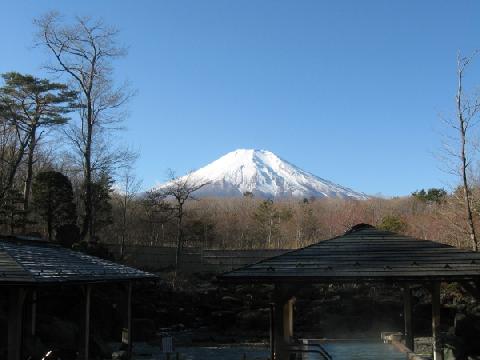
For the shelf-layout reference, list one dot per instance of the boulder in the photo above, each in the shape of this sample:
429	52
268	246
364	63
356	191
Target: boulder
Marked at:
143	329
448	354
33	346
454	349
61	332
223	319
253	319
231	301
100	346
462	324
120	355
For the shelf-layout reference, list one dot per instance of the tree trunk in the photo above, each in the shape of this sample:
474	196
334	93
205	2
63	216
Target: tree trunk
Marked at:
87	228
124	224
463	156
163	235
13	169
28	179
466	197
49	227
49	215
269	238
179	238
12	222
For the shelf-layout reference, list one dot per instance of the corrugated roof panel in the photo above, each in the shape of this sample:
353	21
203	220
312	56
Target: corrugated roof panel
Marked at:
10	271
367	254
39	262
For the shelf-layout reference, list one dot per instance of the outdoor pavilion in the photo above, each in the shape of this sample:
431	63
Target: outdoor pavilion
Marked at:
363	254
27	266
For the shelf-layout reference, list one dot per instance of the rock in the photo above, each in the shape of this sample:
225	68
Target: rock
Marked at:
178	327
231	301
448	354
461	324
467	328
454	348
253	319
317	303
202	338
59	332
144	329
100	346
34	346
120	355
223	318
451	331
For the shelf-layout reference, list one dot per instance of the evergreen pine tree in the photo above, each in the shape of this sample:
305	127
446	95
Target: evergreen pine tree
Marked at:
53	200
12	213
32	105
101	205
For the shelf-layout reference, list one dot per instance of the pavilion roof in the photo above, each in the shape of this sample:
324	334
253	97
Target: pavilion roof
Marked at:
26	261
364	253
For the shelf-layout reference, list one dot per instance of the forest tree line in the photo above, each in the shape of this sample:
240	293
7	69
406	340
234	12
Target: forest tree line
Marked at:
62	177
253	223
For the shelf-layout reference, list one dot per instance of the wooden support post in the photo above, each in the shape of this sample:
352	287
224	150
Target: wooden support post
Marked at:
280	346
129	320
272	331
283	322
34	312
407	314
87	320
288	320
16	299
437	342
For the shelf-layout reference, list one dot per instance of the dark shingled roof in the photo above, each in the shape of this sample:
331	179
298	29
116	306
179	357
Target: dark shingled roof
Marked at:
37	262
365	254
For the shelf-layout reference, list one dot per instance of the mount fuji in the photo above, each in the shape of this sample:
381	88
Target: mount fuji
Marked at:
265	175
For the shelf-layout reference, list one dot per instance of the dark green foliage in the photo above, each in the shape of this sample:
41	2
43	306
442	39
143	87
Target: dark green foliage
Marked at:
53	200
28	107
101	205
94	249
198	232
268	218
393	223
156	209
308	224
11	211
431	195
28	99
265	214
67	235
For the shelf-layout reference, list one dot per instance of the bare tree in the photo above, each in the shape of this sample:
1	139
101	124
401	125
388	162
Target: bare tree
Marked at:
460	150
157	211
129	186
84	51
180	189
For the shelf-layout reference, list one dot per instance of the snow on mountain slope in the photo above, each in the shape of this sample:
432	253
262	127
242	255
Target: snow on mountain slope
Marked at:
265	175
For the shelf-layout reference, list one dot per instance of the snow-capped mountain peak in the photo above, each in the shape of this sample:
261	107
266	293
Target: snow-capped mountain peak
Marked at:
264	174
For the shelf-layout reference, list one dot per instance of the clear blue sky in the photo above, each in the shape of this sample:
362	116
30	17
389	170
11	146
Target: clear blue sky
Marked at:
348	90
